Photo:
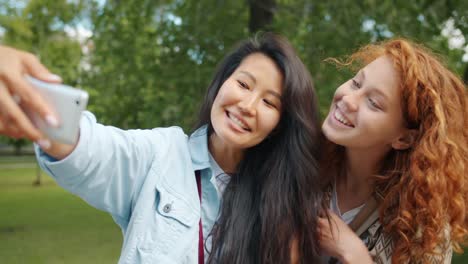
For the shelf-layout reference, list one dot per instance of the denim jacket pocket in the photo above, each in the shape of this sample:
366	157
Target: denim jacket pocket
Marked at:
173	230
174	206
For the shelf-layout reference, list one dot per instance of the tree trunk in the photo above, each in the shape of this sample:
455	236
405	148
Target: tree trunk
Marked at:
38	180
261	14
17	149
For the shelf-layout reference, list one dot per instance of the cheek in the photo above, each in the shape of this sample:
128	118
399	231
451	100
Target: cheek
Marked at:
269	121
218	103
219	97
227	95
379	127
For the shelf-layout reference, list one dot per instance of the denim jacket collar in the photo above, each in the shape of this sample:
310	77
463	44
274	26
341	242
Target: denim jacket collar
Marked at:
198	147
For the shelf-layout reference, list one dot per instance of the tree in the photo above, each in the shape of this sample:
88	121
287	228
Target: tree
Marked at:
261	14
323	29
151	61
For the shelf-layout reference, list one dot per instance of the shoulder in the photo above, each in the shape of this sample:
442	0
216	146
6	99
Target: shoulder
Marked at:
170	144
168	133
168	138
172	133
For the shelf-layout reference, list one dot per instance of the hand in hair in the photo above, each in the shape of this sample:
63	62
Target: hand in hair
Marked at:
339	241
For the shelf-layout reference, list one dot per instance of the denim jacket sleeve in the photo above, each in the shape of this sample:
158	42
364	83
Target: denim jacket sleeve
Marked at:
108	166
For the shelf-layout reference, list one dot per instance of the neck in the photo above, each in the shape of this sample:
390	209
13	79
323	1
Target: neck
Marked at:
356	185
226	156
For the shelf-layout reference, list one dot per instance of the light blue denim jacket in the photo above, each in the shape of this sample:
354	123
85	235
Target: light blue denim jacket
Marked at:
145	179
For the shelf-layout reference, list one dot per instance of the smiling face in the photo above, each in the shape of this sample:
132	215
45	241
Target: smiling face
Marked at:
366	110
248	105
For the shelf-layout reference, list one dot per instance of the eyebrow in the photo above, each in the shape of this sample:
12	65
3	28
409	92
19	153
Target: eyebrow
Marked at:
274	94
363	74
255	81
249	75
381	93
373	88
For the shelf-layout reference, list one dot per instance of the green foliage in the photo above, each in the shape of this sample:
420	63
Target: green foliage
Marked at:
39	28
324	29
151	61
154	59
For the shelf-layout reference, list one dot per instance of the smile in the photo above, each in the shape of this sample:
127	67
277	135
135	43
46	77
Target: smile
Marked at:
341	118
238	121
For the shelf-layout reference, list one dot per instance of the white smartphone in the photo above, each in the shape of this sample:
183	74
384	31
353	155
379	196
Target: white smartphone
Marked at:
67	102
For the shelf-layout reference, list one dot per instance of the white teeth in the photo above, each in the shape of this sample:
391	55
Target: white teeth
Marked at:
341	118
238	122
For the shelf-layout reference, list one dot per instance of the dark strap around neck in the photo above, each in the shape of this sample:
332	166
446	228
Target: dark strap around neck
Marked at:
201	251
363	214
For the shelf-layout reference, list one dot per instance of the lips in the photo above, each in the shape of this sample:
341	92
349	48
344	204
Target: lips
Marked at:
239	121
340	117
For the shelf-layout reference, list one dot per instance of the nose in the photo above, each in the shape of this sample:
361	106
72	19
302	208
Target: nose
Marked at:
248	105
350	102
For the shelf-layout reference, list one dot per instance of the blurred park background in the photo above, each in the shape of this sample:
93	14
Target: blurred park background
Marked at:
147	63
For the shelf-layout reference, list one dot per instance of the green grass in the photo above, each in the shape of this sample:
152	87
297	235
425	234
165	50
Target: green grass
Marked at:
17	159
45	224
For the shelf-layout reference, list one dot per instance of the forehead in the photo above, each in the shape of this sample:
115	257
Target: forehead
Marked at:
262	70
382	76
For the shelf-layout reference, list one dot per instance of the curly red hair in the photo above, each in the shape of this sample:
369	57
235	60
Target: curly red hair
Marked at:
425	189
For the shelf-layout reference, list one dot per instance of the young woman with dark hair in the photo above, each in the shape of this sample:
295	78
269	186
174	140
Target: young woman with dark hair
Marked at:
253	156
397	159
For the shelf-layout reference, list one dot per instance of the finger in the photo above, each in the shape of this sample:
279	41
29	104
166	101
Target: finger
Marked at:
30	98
36	69
324	234
11	130
323	222
331	213
14	118
15	133
2	127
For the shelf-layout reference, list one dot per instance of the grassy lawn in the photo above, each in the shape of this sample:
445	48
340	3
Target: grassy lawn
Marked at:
48	225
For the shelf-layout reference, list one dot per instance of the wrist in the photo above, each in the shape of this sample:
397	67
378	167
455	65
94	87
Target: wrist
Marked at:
356	255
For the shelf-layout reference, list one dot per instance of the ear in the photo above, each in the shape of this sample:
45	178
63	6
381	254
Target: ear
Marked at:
405	140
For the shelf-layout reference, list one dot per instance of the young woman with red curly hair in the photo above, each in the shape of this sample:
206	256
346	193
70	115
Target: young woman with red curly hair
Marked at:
397	160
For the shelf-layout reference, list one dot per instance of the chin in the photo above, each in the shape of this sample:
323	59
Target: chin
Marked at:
331	137
230	140
326	129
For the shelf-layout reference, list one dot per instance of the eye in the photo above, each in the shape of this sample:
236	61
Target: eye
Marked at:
356	83
243	84
269	103
373	104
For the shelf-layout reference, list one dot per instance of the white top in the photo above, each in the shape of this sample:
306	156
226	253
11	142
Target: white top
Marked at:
348	216
219	178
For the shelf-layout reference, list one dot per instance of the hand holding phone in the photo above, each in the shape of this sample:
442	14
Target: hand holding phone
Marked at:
67	102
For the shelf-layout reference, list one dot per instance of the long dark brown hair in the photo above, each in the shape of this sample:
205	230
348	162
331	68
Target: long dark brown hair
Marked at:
274	197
